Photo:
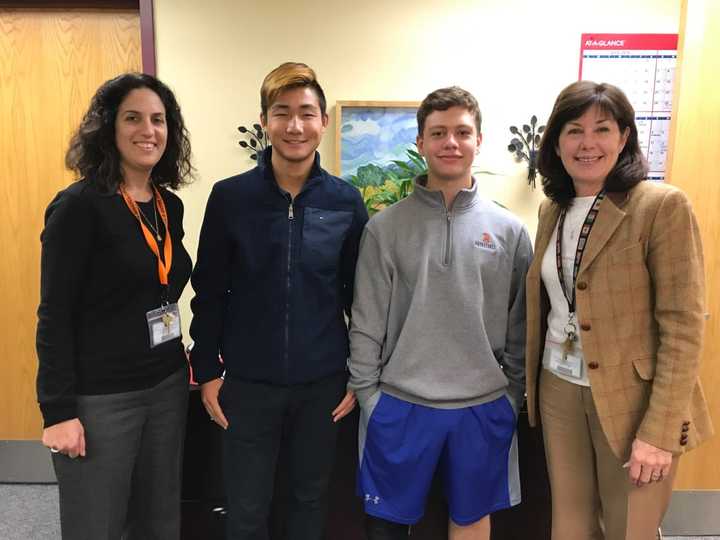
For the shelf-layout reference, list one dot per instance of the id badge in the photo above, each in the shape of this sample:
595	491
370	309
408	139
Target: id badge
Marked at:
163	324
566	364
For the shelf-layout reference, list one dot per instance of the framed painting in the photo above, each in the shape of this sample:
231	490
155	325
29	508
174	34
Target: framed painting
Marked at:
373	132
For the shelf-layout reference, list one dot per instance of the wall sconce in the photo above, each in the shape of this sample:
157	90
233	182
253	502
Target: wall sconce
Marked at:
525	145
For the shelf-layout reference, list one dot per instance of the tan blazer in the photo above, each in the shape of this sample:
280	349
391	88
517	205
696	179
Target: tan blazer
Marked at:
640	302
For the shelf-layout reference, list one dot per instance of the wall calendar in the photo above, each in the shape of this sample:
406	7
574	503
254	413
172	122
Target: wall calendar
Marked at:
643	66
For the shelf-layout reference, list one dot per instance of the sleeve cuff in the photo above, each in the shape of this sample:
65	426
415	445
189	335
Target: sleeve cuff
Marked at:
363	395
204	369
54	413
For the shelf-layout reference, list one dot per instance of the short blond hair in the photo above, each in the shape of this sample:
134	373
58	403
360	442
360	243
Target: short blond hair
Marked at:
286	76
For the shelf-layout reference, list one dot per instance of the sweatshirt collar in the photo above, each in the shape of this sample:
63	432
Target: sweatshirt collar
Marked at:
465	199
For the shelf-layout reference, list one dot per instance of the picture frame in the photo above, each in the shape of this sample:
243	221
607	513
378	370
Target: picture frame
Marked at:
372	132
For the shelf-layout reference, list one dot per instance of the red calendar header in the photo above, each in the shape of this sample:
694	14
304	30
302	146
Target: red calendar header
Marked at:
625	42
628	41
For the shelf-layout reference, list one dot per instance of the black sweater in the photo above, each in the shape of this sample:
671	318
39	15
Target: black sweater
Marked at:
98	280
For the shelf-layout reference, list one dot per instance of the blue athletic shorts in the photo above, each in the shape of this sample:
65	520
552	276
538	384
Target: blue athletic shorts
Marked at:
473	448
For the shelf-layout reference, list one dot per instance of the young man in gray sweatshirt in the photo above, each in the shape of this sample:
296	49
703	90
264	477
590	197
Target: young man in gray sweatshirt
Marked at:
437	338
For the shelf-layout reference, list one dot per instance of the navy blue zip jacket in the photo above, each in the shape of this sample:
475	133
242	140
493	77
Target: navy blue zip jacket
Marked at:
273	277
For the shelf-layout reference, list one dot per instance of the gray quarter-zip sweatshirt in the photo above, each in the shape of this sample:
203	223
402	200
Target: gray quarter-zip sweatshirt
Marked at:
438	316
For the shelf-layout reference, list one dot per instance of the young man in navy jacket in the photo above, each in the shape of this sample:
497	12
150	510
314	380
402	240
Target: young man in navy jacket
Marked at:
273	280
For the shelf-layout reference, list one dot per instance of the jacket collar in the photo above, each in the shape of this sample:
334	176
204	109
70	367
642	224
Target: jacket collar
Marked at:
265	166
619	198
609	217
465	199
607	221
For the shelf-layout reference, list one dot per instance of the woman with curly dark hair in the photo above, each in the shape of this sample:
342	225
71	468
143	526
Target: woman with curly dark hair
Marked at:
615	304
113	379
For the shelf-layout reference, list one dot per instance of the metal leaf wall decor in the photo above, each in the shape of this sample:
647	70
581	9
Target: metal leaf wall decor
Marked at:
256	140
524	145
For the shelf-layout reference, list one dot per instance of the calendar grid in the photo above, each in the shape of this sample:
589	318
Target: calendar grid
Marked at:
643	66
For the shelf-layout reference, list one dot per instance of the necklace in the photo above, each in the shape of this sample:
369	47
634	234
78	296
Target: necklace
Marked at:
156	228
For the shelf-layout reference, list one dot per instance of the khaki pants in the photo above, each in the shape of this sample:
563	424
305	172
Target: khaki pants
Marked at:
592	497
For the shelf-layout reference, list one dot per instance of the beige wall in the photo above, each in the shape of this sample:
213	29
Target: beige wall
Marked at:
514	55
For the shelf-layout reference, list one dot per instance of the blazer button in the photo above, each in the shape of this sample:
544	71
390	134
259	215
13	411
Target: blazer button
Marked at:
581	285
686	423
585	326
685	429
593	365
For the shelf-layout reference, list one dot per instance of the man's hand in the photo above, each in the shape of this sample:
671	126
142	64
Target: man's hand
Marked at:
209	394
67	437
648	463
345	407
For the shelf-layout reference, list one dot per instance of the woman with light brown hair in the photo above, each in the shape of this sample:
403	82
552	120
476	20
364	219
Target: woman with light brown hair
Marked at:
615	300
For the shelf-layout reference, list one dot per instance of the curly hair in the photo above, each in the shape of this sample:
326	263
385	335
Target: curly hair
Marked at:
93	154
631	167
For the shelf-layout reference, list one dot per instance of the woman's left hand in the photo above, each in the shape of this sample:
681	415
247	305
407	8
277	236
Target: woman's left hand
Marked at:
648	463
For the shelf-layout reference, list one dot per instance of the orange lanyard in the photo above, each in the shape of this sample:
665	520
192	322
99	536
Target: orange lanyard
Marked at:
163	268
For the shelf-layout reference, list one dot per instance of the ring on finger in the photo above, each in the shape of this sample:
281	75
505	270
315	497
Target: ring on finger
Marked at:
54	450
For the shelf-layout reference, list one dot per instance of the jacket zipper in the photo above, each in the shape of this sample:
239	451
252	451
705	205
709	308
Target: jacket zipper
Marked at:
291	218
448	237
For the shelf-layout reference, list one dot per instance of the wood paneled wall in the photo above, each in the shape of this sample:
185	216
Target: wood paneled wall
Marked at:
694	165
51	63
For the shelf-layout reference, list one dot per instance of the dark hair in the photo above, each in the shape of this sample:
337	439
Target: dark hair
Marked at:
285	77
93	153
631	167
444	98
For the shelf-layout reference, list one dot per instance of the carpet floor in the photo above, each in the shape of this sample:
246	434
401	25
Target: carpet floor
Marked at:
30	512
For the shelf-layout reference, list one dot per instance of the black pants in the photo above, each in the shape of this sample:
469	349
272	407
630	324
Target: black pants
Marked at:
257	415
128	485
382	529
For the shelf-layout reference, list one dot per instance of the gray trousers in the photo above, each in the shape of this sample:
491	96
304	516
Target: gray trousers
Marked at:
128	485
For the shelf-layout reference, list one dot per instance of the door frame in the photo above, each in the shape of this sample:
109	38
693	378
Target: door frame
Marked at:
146	9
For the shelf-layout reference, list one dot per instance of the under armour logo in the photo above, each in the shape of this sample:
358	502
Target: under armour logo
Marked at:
370	498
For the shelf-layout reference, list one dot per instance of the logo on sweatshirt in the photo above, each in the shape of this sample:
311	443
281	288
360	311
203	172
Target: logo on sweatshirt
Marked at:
486	242
370	499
